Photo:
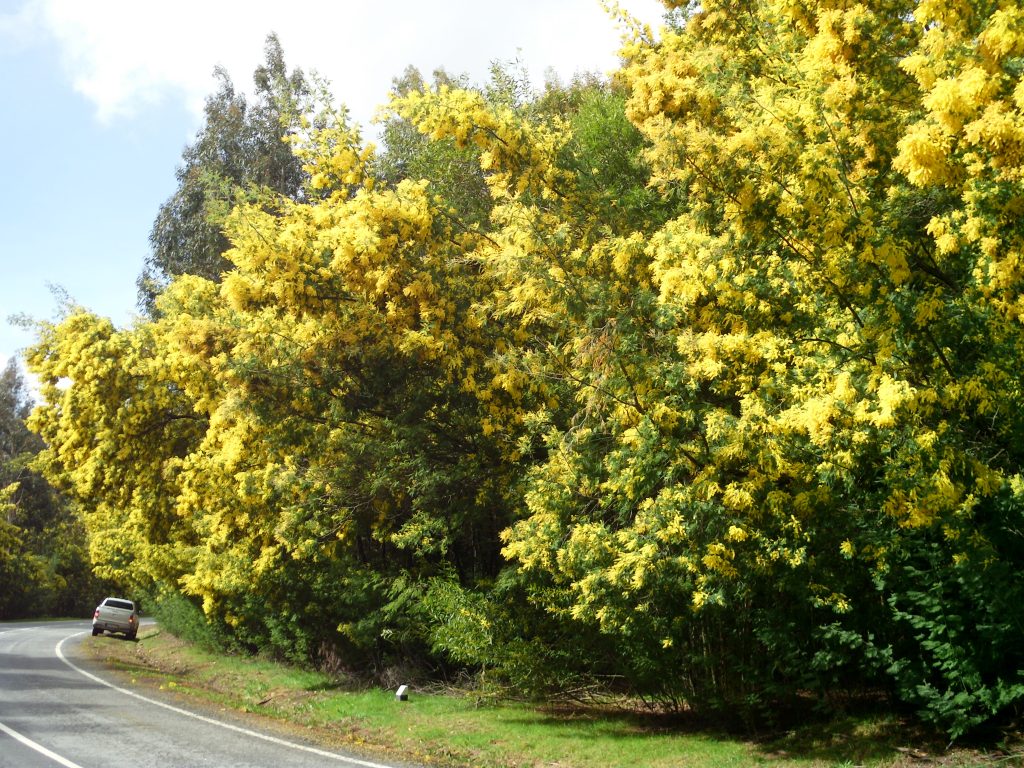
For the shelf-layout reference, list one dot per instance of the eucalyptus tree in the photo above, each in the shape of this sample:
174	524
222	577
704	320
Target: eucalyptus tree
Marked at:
241	145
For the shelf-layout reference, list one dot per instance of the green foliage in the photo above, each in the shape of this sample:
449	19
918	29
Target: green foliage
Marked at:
183	618
453	172
604	155
959	657
512	649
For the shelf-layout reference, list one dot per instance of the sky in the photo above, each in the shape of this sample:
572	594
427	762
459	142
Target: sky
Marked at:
100	98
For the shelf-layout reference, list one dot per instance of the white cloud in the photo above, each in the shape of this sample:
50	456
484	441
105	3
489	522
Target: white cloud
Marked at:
124	54
18	28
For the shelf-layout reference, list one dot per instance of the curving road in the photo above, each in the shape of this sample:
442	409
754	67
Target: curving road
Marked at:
54	711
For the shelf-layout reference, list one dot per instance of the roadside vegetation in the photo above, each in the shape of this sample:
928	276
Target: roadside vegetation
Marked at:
698	386
45	568
447	726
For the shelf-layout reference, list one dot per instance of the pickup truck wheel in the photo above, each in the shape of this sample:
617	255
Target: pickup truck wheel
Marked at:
96	631
130	635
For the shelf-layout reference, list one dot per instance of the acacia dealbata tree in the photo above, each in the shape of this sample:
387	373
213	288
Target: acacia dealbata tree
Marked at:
714	376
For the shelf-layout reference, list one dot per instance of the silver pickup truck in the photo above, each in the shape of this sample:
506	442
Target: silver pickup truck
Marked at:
116	614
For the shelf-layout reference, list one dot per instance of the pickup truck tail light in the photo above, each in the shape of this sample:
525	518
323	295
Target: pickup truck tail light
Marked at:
96	613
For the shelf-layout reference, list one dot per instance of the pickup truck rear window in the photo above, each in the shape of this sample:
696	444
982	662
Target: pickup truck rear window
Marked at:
125	604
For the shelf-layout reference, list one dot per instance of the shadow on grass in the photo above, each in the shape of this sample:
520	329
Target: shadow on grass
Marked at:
856	739
865	737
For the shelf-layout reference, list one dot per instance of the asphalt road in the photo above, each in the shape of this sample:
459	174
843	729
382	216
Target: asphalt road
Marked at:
57	710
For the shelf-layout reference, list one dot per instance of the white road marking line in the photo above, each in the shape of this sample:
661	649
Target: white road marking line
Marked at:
211	721
38	747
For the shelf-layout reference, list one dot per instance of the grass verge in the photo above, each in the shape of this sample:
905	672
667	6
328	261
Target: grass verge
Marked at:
460	731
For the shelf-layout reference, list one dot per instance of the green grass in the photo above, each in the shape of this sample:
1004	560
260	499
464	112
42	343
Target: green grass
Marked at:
459	730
